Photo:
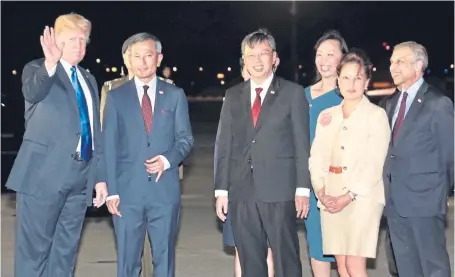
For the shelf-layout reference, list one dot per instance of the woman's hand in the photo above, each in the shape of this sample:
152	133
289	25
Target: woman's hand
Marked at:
339	204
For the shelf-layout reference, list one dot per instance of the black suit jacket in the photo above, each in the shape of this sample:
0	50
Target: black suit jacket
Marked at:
267	162
418	171
52	132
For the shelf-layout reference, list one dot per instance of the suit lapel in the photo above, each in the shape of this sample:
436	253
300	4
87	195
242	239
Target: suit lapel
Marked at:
413	111
91	88
157	109
132	104
65	80
245	100
267	104
391	106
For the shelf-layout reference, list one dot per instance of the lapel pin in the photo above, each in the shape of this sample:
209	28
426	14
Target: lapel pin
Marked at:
272	92
161	92
419	100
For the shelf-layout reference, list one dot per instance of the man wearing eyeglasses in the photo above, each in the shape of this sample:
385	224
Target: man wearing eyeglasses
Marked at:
262	162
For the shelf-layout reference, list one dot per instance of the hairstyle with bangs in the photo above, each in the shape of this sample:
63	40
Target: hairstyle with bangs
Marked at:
258	37
73	21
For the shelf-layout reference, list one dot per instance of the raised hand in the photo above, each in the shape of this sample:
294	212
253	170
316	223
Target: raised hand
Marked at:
52	51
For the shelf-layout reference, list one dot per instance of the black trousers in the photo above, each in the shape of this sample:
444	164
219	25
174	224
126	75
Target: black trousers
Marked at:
391	262
419	245
253	224
48	229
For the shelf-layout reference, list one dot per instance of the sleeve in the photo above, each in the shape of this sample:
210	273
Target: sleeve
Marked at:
443	130
183	135
110	142
300	132
223	148
317	162
36	81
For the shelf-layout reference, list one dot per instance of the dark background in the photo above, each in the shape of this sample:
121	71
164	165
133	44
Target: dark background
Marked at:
208	35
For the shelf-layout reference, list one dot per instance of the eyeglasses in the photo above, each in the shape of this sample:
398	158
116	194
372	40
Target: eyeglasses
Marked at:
261	55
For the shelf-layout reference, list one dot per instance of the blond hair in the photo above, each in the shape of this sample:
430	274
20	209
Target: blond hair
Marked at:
72	21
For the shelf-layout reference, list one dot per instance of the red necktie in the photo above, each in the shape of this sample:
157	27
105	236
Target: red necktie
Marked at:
147	112
400	117
256	106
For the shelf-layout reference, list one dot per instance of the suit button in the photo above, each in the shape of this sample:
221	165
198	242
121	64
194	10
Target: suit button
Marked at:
392	157
253	141
148	144
249	160
342	147
344	128
345	168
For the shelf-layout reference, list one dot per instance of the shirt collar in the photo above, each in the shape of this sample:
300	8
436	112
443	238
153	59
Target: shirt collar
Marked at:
140	85
265	86
67	66
412	90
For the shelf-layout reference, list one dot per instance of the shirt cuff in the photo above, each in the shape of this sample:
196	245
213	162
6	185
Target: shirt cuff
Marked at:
52	71
110	197
220	192
166	163
302	192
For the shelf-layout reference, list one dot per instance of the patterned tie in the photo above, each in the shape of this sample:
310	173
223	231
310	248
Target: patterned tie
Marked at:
256	106
147	112
86	133
400	117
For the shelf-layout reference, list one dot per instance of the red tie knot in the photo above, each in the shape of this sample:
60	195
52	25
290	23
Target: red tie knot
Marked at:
145	88
258	91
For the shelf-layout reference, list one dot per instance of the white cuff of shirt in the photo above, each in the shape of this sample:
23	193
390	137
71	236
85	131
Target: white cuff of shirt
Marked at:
220	192
110	197
52	71
166	163
298	192
302	192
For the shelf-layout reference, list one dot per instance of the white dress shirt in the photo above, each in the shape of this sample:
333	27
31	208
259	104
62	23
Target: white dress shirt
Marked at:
151	92
85	89
412	92
265	87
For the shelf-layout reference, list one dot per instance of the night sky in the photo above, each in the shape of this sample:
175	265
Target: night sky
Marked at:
209	34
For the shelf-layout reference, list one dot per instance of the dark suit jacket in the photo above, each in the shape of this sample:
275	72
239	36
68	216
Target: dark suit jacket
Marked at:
128	145
52	132
267	162
418	172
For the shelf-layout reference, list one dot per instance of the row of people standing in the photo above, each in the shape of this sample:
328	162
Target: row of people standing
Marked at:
352	140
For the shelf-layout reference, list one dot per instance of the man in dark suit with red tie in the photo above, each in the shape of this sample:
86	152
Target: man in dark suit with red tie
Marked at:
262	176
147	134
418	172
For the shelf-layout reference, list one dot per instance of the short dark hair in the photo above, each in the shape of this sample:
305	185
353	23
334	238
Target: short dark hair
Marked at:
356	56
330	35
141	37
257	37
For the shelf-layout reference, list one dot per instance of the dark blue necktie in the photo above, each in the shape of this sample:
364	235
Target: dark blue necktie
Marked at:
86	134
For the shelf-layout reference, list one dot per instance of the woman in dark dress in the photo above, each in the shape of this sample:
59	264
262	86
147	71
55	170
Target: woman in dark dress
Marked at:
322	95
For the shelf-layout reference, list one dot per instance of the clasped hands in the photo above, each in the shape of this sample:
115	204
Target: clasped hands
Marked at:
334	204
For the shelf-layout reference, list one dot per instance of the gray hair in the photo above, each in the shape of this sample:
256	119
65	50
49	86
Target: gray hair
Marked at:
141	37
126	45
418	50
257	37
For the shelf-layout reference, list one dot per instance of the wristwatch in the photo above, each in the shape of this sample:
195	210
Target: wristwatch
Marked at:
353	195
